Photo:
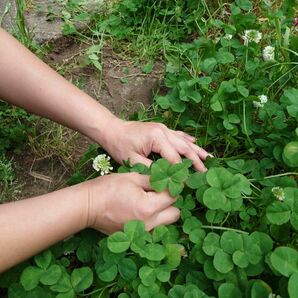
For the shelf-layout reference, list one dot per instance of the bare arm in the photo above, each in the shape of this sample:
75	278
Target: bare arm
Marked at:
105	204
28	226
29	83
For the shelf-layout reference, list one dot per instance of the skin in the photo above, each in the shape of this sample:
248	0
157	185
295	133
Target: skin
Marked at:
105	203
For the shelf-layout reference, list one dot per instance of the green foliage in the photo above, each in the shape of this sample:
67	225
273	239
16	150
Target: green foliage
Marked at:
238	231
15	126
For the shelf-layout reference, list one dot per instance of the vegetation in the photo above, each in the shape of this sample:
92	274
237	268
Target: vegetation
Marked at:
231	81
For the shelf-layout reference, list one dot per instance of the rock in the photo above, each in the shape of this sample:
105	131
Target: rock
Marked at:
8	13
38	23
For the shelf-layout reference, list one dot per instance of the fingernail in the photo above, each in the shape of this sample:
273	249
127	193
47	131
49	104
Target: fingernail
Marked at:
210	155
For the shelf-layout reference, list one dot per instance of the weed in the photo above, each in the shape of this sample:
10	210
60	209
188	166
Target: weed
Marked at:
9	186
237	235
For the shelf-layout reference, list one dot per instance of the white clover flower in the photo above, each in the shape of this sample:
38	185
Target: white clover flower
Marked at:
257	104
279	193
268	53
272	295
228	36
101	163
251	35
262	100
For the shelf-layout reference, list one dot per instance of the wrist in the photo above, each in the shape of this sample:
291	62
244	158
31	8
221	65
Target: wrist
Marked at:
107	131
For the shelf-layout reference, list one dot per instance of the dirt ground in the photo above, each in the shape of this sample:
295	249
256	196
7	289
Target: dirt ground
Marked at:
39	173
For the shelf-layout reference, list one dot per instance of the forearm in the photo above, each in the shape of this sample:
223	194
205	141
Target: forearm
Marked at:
29	226
27	82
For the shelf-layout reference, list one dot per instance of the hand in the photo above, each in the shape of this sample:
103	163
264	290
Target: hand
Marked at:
117	198
136	140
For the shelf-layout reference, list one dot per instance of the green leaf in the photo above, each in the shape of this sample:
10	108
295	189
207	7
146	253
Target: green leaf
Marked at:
30	277
224	57
244	4
127	269
147	275
211	272
178	172
252	250
214	199
222	262
190	224
63	285
278	213
173	254
163	274
159	233
290	154
175	188
51	275
217	177
154	252
107	272
135	230
293	285
231	241
197	235
44	259
69	294
260	289
240	259
228	290
211	244
215	216
263	240
159	175
196	180
81	279
209	64
118	242
285	260
148	68
237	185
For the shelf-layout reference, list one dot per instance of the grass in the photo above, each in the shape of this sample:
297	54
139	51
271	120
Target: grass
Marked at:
53	141
9	186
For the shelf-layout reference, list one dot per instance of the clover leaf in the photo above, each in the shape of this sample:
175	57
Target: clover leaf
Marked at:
166	176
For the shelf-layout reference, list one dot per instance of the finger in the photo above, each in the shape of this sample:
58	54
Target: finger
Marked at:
156	202
162	146
203	154
185	135
185	148
165	217
141	180
196	161
137	158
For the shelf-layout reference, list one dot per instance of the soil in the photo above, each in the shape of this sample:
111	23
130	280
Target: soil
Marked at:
42	174
121	86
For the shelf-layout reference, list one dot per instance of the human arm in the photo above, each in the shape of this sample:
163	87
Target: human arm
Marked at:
27	82
105	204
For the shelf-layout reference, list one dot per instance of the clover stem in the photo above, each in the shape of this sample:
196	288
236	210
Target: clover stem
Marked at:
244	125
224	229
276	176
97	290
226	218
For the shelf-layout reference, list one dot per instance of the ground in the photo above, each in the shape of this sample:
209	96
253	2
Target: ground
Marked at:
121	86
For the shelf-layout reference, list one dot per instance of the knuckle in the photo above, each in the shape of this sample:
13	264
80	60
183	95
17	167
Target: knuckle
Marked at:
157	131
162	126
186	150
144	212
